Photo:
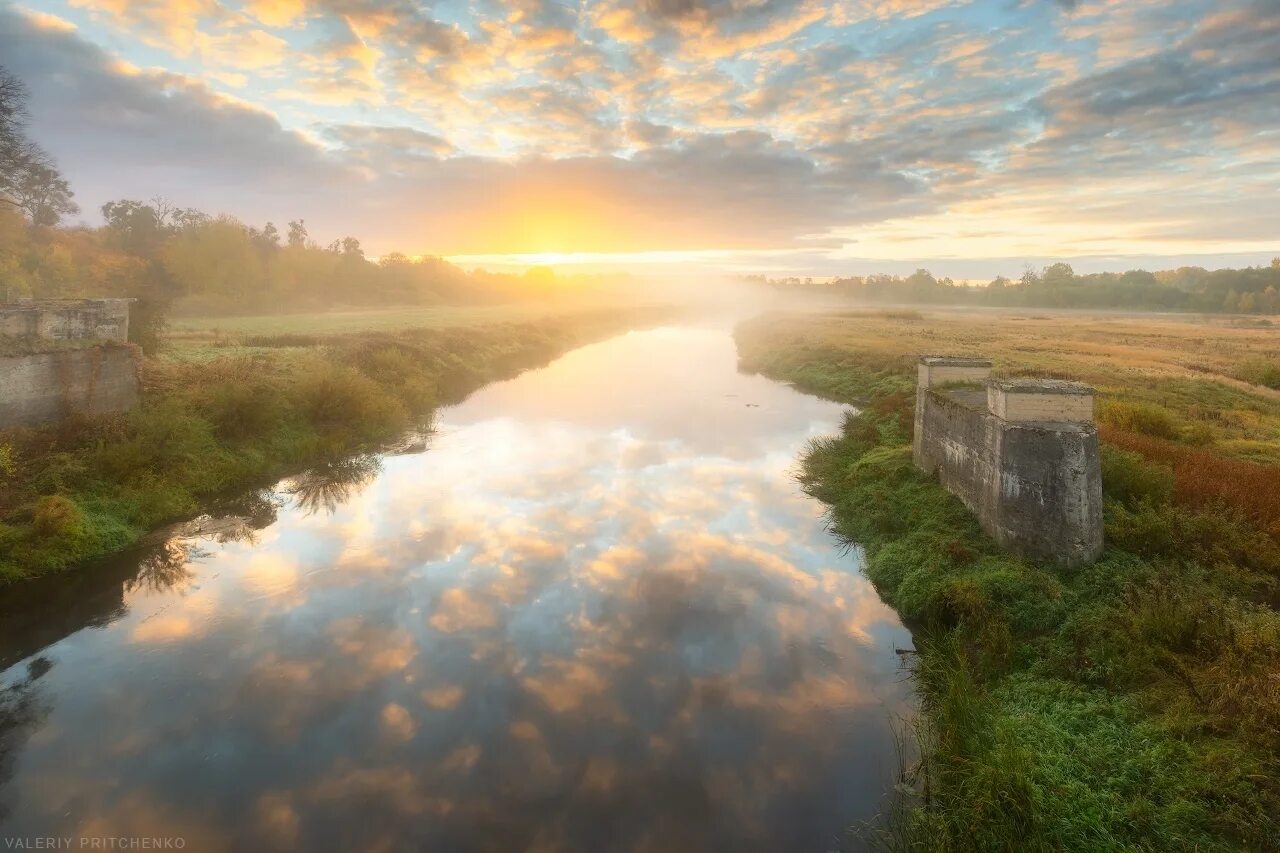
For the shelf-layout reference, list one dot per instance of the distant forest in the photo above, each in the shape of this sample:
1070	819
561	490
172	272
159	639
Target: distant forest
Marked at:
1251	290
175	258
216	265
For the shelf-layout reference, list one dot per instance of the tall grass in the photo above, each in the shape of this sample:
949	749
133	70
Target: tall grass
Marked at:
1203	478
1260	371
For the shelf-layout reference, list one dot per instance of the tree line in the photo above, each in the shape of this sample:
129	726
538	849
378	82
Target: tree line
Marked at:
1249	290
176	258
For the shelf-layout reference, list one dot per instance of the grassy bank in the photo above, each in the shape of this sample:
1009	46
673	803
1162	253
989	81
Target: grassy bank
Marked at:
183	330
1131	705
234	412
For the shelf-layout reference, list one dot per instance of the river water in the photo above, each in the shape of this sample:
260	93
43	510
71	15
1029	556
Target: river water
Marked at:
593	612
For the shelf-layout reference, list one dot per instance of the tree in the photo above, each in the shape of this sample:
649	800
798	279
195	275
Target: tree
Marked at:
1056	275
921	284
13	120
29	179
298	234
1270	302
134	227
39	190
217	261
267	240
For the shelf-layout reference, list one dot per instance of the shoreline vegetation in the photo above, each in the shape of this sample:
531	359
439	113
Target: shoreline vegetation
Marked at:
1133	704
1248	290
224	413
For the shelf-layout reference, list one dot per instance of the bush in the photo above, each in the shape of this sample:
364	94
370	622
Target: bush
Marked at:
1143	418
1130	479
168	440
342	399
1260	371
241	411
396	369
1210	536
1203	478
56	515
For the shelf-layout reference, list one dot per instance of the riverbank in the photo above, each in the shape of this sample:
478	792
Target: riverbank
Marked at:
1130	705
225	414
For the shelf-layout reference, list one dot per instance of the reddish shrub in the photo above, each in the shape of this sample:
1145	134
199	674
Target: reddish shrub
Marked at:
1203	477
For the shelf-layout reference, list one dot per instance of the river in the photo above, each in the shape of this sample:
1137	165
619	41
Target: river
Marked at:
592	611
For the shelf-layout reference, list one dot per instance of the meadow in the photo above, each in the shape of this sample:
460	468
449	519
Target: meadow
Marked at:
184	330
227	410
1132	705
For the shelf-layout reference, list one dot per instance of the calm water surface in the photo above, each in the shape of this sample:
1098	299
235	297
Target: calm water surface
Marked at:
593	613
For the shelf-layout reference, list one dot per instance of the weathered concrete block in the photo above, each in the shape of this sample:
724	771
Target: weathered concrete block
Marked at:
1022	454
48	386
934	371
1048	502
1040	400
81	319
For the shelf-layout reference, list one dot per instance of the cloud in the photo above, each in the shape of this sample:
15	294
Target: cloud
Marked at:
374	142
120	130
732	125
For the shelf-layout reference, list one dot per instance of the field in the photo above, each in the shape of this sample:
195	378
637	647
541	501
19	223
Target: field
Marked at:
1132	705
205	338
1211	373
367	320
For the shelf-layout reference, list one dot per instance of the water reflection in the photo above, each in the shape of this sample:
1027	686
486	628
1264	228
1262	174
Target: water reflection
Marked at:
21	710
595	614
325	487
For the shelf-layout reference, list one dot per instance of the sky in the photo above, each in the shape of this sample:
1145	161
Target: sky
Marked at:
972	137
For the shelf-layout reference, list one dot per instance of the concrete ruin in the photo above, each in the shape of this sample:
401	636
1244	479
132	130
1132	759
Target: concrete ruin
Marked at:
66	320
1021	453
65	358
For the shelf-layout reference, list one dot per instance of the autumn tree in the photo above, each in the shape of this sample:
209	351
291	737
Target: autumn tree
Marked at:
298	234
1057	275
29	178
40	191
217	260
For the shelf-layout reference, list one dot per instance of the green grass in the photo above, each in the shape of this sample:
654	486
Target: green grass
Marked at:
1132	705
365	320
208	426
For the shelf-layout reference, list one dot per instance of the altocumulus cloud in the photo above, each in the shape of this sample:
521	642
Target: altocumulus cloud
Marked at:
668	124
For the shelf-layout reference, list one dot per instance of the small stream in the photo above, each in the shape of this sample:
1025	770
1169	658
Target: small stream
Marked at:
593	612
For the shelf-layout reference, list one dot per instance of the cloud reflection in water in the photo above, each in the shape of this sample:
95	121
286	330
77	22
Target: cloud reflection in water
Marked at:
596	613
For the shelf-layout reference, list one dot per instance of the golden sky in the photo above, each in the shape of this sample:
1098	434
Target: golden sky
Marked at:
774	134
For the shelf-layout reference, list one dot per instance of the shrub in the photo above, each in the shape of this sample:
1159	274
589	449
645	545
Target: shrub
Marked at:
167	440
57	515
1209	536
1129	478
240	411
1203	478
1144	418
1260	371
396	369
342	399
